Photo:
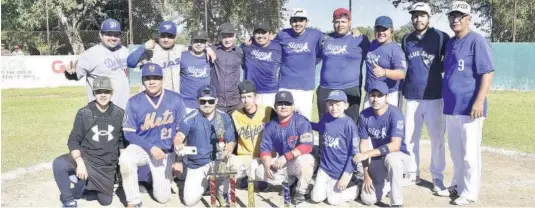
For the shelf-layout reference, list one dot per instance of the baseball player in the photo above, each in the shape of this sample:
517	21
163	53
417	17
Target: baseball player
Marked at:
150	124
342	54
195	70
467	79
202	128
339	142
105	59
422	89
385	61
94	145
249	122
227	69
262	64
383	124
290	136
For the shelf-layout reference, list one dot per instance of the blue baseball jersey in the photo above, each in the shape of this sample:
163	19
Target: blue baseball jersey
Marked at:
194	73
343	57
204	134
339	142
262	66
423	80
387	55
284	139
466	60
299	52
382	128
154	123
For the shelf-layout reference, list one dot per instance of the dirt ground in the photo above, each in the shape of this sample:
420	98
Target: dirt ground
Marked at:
508	181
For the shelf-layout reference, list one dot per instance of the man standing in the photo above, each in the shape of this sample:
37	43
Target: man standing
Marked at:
343	56
386	158
17	51
290	136
262	64
385	61
227	69
467	79
202	128
195	70
105	59
165	53
94	145
151	121
424	49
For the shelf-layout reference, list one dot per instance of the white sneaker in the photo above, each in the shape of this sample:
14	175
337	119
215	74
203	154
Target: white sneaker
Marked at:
438	185
451	191
463	201
410	179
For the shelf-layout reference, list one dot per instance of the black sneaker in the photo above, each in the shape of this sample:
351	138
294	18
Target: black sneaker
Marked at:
396	206
70	204
145	187
298	198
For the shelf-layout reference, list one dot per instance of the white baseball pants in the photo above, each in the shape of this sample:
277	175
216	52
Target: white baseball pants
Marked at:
464	140
266	99
325	187
135	156
193	192
301	167
389	168
245	165
303	101
418	112
393	98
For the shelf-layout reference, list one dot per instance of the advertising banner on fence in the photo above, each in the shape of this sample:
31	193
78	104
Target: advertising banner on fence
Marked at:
36	72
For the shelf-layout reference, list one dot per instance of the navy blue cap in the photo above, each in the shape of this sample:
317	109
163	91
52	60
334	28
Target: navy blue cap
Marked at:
337	95
384	21
207	91
151	69
284	96
167	27
379	86
110	25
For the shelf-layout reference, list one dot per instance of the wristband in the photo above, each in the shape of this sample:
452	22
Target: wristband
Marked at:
289	156
384	150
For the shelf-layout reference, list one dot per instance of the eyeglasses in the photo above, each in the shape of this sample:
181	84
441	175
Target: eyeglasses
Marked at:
203	102
102	92
456	16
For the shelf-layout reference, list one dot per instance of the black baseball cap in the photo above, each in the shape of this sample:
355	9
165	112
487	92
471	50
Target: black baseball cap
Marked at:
199	35
227	28
284	96
246	86
262	26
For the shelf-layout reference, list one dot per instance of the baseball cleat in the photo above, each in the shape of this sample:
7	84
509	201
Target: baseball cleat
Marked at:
298	198
451	191
462	201
70	204
438	185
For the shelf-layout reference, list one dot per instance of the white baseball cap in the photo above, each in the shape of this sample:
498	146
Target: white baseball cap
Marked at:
420	7
298	12
460	6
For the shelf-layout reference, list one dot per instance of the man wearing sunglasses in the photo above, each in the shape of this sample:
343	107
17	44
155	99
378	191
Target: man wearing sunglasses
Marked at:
105	59
290	136
150	124
385	157
202	128
385	61
94	145
467	79
424	49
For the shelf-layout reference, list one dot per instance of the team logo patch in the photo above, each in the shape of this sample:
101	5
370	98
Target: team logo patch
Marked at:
400	125
113	24
292	141
97	133
283	95
152	68
307	137
167	27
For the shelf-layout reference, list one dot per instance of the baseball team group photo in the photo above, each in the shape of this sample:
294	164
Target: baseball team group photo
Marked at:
274	111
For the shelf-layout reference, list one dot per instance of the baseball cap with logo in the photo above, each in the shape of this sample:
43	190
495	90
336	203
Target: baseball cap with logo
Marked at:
284	96
460	6
379	86
420	7
337	95
341	12
110	25
167	27
199	35
384	21
102	83
207	91
151	69
246	86
299	12
227	28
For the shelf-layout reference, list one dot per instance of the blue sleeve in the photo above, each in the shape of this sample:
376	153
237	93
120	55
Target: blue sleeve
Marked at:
266	145
363	133
133	58
180	112
184	126
130	128
353	144
482	56
398	59
304	130
134	138
397	124
230	135
278	37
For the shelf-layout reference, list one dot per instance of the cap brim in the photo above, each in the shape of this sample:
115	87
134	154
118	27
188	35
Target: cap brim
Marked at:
207	97
462	12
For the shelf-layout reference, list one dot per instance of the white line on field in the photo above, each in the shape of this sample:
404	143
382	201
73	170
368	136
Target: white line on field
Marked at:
19	172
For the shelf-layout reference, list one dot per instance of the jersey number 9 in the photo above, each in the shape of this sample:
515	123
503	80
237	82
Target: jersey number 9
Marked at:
460	65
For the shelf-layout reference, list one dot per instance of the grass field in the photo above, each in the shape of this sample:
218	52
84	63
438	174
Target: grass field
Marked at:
36	123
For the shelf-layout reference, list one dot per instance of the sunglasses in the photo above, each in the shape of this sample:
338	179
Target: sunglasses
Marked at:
97	92
203	102
283	104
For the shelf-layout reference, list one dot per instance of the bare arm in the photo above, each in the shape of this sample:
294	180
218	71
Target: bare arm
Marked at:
484	86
